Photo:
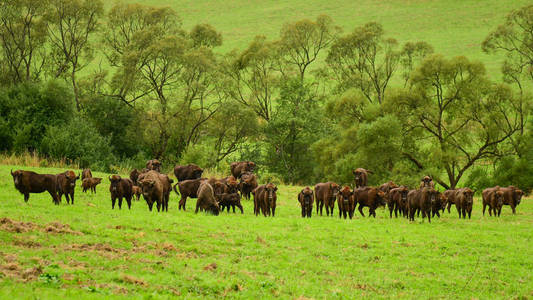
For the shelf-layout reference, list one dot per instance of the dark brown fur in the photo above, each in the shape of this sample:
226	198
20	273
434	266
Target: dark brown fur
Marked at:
421	200
493	197
360	177
155	188
464	200
190	171
66	184
512	196
427	182
247	184
90	183
86	173
397	200
306	199
265	199
230	199
134	176
136	191
326	194
187	189
120	188
206	199
27	182
370	197
346	202
154	165
241	167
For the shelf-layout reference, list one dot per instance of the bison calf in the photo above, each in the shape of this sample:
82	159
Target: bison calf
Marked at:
346	202
306	198
120	188
90	183
230	199
137	191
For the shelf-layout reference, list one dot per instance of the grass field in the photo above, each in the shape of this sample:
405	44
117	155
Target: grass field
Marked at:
88	251
453	27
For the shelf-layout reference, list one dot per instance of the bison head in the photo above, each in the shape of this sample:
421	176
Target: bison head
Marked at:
345	194
250	166
97	180
443	201
232	184
17	176
469	195
71	178
147	186
381	198
197	172
219	188
306	196
426	181
271	192
517	195
335	189
115	181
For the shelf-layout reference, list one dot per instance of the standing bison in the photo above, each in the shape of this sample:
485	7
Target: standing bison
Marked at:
230	199
464	199
397	200
305	197
247	184
360	177
120	188
134	175
370	197
326	194
156	189
86	173
512	196
154	165
66	183
241	167
206	199
188	189
265	199
493	197
190	171
421	200
90	183
27	182
346	202
427	182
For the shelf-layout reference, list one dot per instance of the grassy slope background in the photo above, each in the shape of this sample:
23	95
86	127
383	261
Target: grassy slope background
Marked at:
453	27
121	253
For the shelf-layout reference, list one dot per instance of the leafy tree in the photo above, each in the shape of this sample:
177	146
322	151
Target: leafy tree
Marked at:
412	54
70	25
23	39
462	116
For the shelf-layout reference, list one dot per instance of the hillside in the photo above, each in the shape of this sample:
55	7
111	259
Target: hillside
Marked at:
455	27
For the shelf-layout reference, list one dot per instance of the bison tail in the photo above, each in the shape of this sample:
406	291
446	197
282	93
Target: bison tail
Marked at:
175	189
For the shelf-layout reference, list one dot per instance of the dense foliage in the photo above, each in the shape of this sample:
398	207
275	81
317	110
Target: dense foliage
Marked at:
311	105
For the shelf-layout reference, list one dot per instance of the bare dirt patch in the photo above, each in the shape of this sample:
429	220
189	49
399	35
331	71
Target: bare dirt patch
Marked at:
9	225
15	271
133	280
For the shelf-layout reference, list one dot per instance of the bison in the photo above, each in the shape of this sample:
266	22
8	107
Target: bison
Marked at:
27	182
427	182
397	200
464	199
232	184
438	205
190	171
230	199
90	183
241	167
361	177
512	196
306	198
136	191
187	189
206	199
66	183
345	202
134	176
386	187
156	189
247	184
120	188
86	173
493	197
265	199
450	198
326	194
154	165
421	200
370	197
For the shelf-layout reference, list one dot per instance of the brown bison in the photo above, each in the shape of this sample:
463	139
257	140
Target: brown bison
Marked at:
187	189
386	187
493	197
421	200
326	194
156	189
450	198
66	183
438	205
305	197
86	173
247	184
90	183
206	199
427	182
219	185
464	199
120	188
346	202
230	199
370	197
240	167
397	200
265	199
512	196
361	177
232	184
154	165
190	171
134	176
137	191
27	182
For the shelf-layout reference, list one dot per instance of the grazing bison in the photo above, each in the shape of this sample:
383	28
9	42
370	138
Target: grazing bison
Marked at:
137	191
230	199
361	177
190	171
90	183
120	188
326	194
247	184
86	173
512	196
155	188
427	182
187	189
265	199
421	200
345	202
493	197
206	199
397	200
241	167
134	176
464	199
305	197
27	182
370	197
66	183
154	165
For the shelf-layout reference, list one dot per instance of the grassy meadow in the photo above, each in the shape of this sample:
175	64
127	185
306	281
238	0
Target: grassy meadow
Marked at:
88	251
454	27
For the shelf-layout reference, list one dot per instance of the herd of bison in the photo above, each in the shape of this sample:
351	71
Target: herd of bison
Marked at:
214	195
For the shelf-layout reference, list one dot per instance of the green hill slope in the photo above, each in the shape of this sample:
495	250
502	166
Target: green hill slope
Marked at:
455	27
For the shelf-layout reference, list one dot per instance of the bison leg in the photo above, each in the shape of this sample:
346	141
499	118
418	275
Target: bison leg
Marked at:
303	212
499	211
429	217
273	211
361	210
120	202
233	207
72	197
513	207
128	201
321	207
449	205
484	206
113	202
240	207
150	205
182	202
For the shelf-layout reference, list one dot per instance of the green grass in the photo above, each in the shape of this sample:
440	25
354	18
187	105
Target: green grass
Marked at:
454	27
125	254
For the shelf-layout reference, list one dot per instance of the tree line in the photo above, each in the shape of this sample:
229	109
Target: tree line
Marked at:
105	88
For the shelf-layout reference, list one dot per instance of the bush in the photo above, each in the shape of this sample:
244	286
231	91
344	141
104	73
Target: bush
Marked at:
79	142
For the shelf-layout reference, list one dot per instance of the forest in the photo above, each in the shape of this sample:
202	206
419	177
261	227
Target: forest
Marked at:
112	87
